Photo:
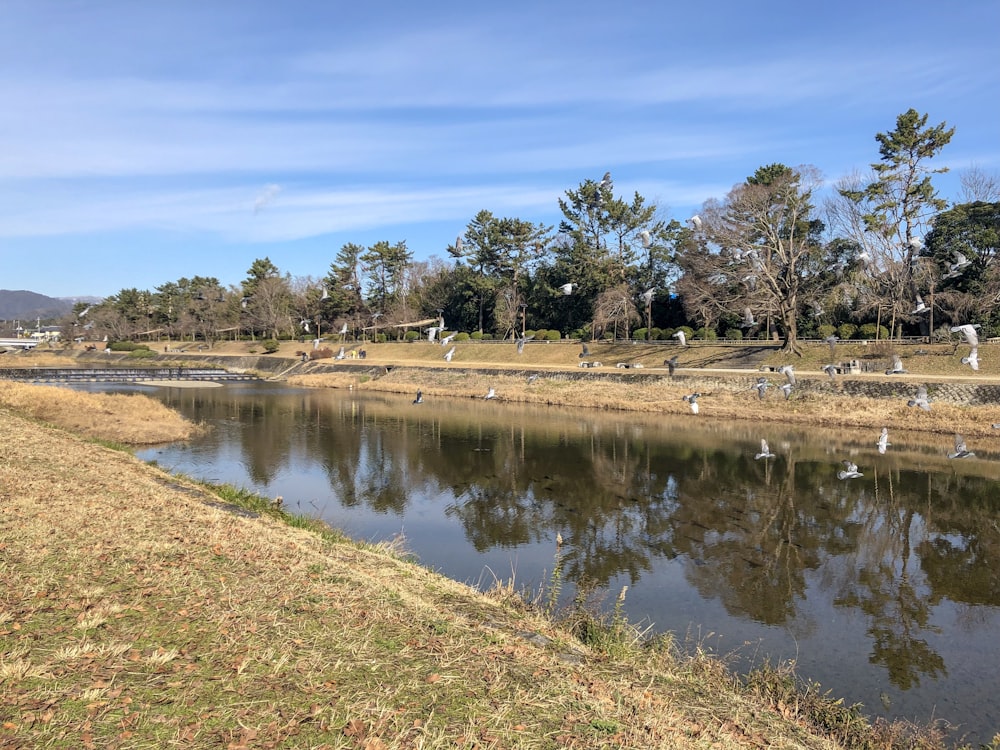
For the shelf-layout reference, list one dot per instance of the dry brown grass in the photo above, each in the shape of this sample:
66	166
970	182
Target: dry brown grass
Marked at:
664	397
135	614
133	419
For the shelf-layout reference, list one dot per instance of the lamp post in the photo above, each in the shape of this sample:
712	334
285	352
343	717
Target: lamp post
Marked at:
375	317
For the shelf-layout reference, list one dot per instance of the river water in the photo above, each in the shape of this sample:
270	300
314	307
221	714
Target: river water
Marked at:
884	589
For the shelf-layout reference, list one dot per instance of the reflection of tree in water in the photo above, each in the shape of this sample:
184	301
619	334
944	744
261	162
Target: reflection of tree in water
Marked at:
749	543
895	601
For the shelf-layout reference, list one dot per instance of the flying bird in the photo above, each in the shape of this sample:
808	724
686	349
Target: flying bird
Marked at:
748	320
765	452
449	354
586	350
567	289
920	307
268	194
647	297
325	294
788	372
340	354
695	222
692	400
761	386
420	397
533	378
448	339
883	440
680	336
850	471
786	389
671	364
955	269
606	181
832	340
459	244
920	399
305	325
969	331
490	394
830	370
897	366
960	450
646	237
343	330
973	359
432	332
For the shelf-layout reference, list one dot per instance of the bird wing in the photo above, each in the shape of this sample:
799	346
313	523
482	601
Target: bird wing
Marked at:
960	444
763	446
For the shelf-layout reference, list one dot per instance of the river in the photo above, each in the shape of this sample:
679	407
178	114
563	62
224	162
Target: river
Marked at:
882	588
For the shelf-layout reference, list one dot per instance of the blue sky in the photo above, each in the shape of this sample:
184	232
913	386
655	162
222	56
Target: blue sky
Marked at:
142	142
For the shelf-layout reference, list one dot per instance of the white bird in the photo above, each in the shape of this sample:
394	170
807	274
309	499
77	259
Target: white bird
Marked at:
522	341
788	372
420	397
459	244
432	332
671	364
448	339
340	354
765	452
343	330
956	268
533	378
832	340
969	331
449	354
680	336
897	366
646	237
850	471
883	440
762	386
647	297
748	321
920	306
960	450
973	359
606	181
305	325
567	289
692	400
786	389
920	399
916	243
325	294
490	394
695	222
830	370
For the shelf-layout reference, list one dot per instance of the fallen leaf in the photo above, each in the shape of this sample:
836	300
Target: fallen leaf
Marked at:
433	678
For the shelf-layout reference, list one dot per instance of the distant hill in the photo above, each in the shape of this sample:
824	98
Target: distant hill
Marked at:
24	305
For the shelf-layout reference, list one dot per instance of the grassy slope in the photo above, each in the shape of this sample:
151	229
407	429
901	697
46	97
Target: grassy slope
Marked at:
137	612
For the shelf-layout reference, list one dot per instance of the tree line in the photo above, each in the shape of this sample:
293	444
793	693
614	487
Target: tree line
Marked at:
884	253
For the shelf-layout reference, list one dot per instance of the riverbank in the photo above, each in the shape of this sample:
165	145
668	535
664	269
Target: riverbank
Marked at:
140	609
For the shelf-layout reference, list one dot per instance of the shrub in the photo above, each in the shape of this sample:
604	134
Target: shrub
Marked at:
463	336
869	331
476	336
411	336
846	330
655	334
270	346
551	335
826	330
141	352
734	334
639	334
529	332
324	353
706	334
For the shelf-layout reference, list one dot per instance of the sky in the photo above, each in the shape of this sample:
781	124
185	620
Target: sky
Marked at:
145	142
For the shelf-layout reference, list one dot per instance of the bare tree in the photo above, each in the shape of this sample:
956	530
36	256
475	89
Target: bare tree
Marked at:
979	185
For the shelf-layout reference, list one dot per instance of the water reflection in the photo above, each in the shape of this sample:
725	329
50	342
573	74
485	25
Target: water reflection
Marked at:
884	585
